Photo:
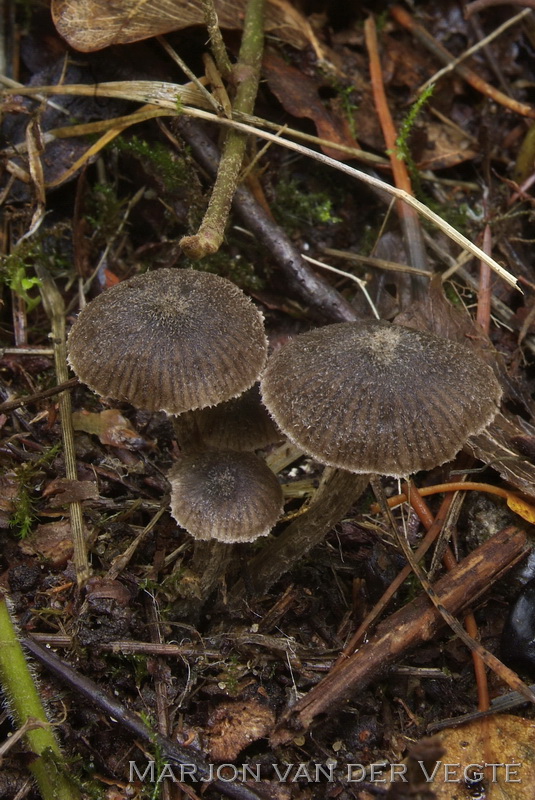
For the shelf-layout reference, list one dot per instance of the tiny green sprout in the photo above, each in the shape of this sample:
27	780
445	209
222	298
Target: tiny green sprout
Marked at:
14	272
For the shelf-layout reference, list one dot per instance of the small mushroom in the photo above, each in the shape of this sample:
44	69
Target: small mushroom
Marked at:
372	397
169	340
242	423
225	495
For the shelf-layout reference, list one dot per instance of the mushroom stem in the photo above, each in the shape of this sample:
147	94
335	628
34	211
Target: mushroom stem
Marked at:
209	563
335	495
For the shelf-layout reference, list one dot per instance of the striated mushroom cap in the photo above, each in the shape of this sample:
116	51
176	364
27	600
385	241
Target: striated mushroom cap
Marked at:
226	495
379	398
242	423
169	340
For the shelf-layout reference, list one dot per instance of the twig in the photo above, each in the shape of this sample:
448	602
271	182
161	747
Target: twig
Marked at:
210	235
10	405
404	18
54	307
507	674
414	623
169	749
216	40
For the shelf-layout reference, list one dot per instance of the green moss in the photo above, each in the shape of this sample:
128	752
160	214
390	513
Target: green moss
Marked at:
237	269
402	142
295	207
104	211
172	169
24	517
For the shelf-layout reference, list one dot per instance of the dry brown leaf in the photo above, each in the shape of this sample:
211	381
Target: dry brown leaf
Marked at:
89	25
492	757
299	96
235	725
51	541
63	490
502	740
445	147
111	428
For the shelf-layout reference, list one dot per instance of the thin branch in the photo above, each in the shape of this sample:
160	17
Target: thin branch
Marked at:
210	235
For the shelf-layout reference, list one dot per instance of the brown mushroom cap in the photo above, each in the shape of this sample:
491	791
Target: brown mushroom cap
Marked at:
242	423
379	398
226	495
169	340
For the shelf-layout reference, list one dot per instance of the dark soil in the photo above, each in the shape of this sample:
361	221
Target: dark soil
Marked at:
211	662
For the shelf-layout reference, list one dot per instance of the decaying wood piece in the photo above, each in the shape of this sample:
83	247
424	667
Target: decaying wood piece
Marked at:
416	622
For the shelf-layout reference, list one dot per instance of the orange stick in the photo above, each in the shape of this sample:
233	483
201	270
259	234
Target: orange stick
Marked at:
407	215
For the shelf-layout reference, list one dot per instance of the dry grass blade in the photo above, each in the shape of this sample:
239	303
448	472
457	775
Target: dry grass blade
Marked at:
166	94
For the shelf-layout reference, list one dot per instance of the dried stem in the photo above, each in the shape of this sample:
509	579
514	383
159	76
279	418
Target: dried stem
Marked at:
216	40
210	235
54	306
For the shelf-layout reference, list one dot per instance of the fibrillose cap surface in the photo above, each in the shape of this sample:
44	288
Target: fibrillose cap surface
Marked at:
379	398
169	340
226	495
242	423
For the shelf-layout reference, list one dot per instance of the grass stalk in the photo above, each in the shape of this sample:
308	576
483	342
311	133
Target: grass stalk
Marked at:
26	707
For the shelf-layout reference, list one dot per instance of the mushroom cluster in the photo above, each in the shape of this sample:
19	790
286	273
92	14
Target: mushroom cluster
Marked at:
178	341
373	397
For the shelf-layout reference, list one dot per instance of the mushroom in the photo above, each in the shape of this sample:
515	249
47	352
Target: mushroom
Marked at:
242	423
170	340
225	495
373	397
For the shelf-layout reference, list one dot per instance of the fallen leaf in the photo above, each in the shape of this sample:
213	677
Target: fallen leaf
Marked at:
111	428
502	740
235	725
89	25
491	758
299	96
444	147
51	541
63	490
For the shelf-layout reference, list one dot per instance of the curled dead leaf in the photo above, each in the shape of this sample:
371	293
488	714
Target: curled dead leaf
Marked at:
111	428
235	725
90	25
